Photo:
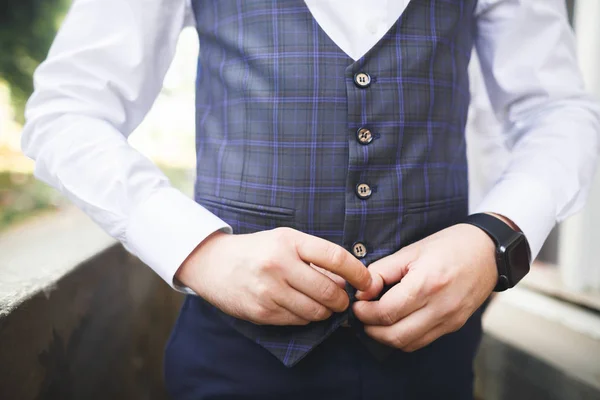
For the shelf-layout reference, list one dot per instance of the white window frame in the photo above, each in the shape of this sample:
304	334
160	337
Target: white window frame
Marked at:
579	241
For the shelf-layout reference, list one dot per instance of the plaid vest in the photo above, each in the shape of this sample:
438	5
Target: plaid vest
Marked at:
368	154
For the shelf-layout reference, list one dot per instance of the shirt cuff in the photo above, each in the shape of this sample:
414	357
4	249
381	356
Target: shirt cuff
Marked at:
166	228
525	202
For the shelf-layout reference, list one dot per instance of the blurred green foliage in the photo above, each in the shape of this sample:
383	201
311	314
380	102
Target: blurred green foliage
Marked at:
23	196
27	28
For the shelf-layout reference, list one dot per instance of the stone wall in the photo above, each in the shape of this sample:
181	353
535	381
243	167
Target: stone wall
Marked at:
98	334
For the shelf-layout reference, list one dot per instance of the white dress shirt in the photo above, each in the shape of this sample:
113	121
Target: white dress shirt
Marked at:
487	154
109	59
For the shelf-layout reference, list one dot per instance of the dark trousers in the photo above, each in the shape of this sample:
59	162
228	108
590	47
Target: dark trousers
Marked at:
207	359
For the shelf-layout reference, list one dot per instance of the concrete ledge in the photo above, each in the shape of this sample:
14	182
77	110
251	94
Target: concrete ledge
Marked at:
546	278
91	325
537	347
36	254
504	372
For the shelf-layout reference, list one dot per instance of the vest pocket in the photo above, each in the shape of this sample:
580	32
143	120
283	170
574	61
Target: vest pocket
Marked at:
451	203
420	220
245	208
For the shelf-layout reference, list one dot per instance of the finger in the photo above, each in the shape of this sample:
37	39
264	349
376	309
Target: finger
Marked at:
425	340
387	271
277	316
406	331
317	286
302	306
285	318
336	278
333	258
401	300
373	290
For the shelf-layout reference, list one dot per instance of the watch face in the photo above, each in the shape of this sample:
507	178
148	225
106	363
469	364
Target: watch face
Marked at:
518	257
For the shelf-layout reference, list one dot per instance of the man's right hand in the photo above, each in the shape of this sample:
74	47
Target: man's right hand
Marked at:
266	277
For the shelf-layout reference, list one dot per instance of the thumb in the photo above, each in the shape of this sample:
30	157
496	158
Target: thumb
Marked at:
387	271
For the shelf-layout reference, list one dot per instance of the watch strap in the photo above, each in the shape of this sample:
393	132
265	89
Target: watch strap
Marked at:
501	234
498	230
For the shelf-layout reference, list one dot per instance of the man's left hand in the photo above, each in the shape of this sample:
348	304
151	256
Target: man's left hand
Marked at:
439	282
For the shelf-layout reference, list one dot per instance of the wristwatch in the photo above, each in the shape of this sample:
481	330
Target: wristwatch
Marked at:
513	256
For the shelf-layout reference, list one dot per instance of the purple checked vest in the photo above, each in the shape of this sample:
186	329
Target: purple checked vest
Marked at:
368	154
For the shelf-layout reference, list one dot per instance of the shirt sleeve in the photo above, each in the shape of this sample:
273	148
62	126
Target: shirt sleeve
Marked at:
103	72
552	127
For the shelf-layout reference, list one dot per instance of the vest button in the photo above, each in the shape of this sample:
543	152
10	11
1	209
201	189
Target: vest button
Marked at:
362	80
359	250
363	191
364	136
